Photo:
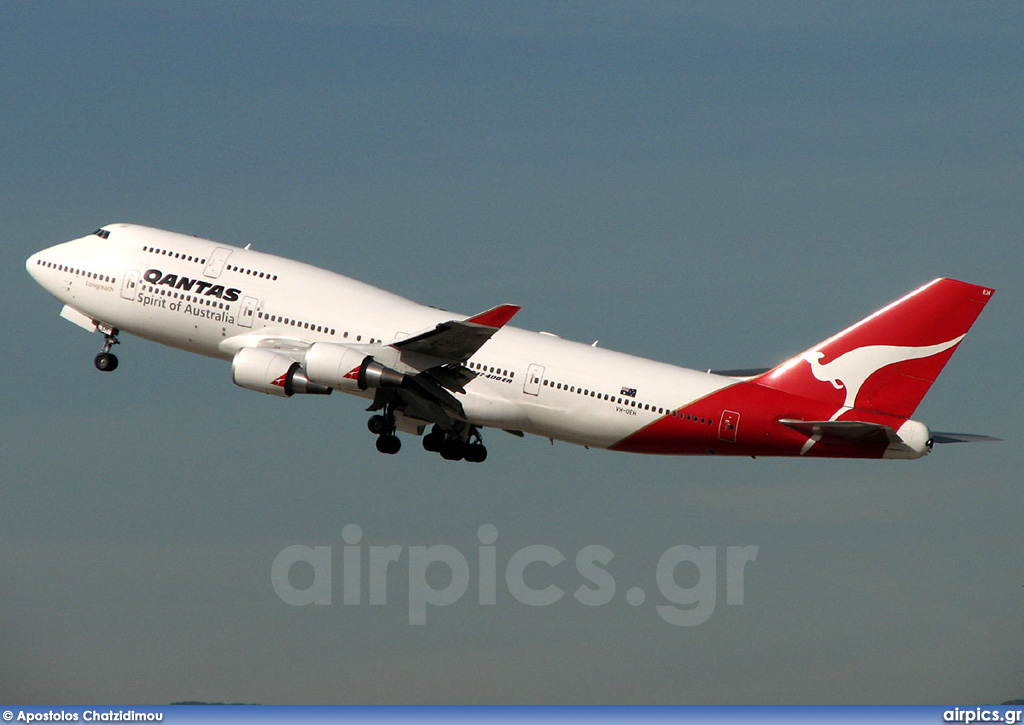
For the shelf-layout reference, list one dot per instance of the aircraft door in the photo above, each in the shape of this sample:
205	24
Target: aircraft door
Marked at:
215	264
247	312
534	375
130	285
727	427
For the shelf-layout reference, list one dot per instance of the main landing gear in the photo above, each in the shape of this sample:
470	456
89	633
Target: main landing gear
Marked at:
452	447
383	426
465	445
106	361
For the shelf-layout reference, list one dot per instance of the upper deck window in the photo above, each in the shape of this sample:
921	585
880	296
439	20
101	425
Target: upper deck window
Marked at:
102	233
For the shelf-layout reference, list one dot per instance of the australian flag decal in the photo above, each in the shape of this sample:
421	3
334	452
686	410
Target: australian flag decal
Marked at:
628	392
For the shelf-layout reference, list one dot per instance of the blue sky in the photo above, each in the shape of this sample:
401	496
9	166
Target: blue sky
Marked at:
709	184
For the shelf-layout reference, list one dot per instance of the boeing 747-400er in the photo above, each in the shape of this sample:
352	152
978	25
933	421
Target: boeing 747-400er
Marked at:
290	328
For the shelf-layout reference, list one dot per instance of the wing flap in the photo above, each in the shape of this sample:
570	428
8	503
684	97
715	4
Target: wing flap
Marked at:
423	398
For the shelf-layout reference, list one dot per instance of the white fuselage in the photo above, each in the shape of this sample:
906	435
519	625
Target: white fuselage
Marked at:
215	299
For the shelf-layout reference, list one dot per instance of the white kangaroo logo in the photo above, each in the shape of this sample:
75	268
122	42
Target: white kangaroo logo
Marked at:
852	369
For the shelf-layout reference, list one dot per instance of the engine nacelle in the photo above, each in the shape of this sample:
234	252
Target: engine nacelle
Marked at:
266	371
915	441
344	366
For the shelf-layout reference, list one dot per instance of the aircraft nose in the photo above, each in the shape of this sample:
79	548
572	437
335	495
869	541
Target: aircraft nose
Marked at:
38	266
32	265
41	261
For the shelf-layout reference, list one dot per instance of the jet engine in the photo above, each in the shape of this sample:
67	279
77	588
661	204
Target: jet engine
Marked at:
344	366
266	371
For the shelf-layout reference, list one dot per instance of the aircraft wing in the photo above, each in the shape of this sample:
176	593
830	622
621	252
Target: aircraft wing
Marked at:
428	394
457	340
429	383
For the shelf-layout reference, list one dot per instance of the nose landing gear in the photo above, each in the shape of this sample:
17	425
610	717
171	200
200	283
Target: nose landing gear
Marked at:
106	361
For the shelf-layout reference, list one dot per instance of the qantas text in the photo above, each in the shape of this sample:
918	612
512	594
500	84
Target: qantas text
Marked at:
180	282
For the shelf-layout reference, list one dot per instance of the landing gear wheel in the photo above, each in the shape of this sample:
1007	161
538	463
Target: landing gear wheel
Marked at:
381	424
106	362
433	441
389	444
453	450
475	453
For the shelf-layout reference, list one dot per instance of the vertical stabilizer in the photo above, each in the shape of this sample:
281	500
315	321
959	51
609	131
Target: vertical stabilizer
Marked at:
887	361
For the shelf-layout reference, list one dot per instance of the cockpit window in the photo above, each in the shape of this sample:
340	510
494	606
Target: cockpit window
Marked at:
102	233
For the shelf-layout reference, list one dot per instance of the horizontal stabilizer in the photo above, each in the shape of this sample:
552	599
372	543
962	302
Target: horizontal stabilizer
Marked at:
741	373
853	431
961	438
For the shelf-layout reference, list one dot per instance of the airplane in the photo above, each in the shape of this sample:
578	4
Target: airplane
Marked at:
290	328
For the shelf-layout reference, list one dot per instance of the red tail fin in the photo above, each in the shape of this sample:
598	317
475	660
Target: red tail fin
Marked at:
887	361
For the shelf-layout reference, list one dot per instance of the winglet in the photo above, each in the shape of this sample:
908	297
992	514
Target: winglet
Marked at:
496	316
